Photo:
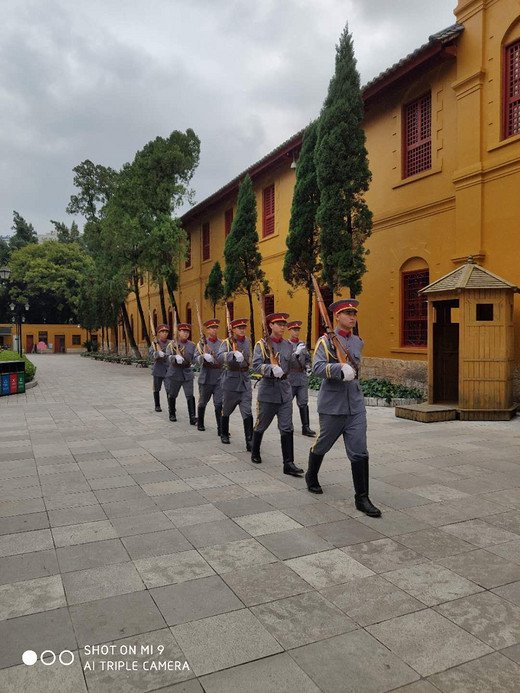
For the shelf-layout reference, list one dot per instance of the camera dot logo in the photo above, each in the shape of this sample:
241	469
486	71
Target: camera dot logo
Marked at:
48	657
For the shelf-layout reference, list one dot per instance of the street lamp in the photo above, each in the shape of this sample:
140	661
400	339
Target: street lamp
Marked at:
5	273
19	318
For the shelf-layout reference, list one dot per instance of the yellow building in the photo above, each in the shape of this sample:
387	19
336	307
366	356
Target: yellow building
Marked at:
60	339
443	139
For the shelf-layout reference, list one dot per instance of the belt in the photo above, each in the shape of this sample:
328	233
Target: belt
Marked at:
240	369
212	365
273	377
181	365
297	370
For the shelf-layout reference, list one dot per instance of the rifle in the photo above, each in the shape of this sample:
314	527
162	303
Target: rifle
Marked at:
231	336
155	343
173	343
265	331
342	352
202	335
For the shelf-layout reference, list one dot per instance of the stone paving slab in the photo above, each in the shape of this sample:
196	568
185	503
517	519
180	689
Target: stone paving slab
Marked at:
120	528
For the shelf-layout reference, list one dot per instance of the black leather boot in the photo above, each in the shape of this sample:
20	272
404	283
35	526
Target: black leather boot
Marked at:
156	399
200	418
311	475
191	410
248	431
171	409
255	447
304	416
218	417
224	430
288	455
360	479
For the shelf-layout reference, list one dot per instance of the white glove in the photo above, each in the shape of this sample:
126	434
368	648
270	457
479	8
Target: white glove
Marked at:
239	356
209	358
277	371
179	358
300	348
160	354
348	372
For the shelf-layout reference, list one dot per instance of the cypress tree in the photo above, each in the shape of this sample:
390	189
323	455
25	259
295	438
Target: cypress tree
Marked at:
243	273
214	289
302	256
343	176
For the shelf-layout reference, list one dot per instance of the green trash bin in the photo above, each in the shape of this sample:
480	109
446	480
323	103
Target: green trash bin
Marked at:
21	382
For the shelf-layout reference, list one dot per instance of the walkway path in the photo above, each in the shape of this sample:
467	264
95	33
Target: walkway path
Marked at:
118	527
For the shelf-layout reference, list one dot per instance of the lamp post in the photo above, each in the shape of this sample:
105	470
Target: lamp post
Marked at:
19	319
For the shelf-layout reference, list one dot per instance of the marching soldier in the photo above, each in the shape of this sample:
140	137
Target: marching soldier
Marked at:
210	375
274	391
180	372
341	406
300	362
235	354
160	366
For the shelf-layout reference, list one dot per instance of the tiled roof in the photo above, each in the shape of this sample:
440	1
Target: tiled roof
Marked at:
468	276
443	37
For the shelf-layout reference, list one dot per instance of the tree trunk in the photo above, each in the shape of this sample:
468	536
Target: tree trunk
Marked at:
163	304
124	337
172	297
129	332
116	339
252	319
140	309
102	338
309	318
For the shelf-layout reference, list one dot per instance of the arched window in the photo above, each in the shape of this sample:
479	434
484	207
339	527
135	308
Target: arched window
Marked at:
415	275
511	90
188	314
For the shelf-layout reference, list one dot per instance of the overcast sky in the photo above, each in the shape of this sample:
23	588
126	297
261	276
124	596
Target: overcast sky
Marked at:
97	79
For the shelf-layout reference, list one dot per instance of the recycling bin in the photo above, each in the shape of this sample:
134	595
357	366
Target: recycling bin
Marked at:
12	377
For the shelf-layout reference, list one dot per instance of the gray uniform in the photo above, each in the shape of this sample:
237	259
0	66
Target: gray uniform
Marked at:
210	376
236	383
341	406
181	375
274	394
298	374
160	366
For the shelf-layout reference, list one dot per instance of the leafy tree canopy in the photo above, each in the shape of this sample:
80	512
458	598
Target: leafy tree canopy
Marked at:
24	233
214	289
64	233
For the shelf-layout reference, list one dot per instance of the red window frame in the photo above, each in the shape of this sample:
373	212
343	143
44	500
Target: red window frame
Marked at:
511	90
417	136
414	326
205	241
231	308
188	314
228	221
269	304
76	339
187	264
268	211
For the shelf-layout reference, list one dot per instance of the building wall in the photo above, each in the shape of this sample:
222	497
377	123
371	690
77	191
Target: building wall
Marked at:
53	332
466	204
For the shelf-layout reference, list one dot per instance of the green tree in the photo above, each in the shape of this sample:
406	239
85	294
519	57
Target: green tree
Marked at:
65	234
4	252
243	273
343	176
95	185
48	276
302	256
24	233
214	289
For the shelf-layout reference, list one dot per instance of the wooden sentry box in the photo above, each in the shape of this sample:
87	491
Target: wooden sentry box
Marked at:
470	333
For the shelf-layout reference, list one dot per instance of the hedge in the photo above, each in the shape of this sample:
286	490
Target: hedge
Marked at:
30	368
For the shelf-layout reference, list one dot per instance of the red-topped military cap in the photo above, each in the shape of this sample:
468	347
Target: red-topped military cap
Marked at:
277	317
163	327
293	323
344	304
212	323
184	326
239	322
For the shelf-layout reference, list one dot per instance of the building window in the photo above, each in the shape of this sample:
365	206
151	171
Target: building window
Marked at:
415	316
269	304
228	221
43	337
512	90
231	309
484	312
205	241
76	340
188	250
268	225
141	280
188	314
417	136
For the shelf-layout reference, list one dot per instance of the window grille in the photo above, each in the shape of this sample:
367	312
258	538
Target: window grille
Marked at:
417	136
269	304
188	251
512	90
205	242
415	316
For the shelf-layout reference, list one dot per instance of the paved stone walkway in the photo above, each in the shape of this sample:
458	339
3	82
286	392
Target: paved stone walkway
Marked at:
120	528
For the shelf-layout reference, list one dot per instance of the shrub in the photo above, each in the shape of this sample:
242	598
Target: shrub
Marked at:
377	387
30	368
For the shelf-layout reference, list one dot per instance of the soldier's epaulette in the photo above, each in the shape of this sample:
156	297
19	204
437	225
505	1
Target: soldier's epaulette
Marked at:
324	341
